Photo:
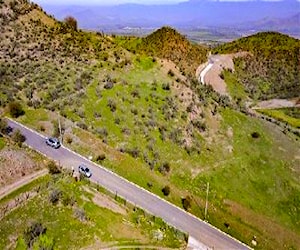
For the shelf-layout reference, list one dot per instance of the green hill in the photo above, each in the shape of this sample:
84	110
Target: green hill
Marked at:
152	127
167	43
271	69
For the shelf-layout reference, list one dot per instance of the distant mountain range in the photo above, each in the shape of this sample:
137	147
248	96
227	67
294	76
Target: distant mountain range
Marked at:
280	16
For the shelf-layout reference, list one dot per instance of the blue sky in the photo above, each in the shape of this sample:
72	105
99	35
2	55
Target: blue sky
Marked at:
105	2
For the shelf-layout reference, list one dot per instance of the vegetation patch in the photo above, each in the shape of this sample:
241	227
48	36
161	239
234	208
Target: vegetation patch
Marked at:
271	69
79	223
290	116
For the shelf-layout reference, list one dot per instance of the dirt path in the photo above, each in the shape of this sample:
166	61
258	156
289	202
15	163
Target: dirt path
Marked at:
278	103
209	73
21	182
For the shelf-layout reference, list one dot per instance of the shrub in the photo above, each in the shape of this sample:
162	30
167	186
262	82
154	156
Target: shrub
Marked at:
100	157
109	85
18	137
54	196
255	135
33	232
15	109
69	139
171	73
68	200
164	168
53	168
82	125
186	202
112	105
166	86
166	190
79	213
42	128
102	132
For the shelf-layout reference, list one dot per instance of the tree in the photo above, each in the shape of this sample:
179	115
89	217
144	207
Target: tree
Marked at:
15	109
71	22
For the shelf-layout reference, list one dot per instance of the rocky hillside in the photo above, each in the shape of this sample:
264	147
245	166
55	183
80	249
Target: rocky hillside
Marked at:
271	69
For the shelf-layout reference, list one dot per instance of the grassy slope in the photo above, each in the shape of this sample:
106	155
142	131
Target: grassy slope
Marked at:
271	70
67	231
289	115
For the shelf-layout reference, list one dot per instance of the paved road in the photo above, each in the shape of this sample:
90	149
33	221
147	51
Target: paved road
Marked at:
209	236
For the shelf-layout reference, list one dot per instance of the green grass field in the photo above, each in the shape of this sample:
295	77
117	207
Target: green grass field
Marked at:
76	221
290	116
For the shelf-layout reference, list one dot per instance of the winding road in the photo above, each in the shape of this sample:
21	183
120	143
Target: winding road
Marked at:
208	236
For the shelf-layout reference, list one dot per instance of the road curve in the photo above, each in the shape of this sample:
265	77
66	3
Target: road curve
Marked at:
209	236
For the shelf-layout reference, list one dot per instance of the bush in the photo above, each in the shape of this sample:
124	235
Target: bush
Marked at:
18	137
100	157
54	196
68	200
166	190
109	85
112	105
33	232
255	135
79	213
186	202
53	168
69	139
164	168
166	86
171	73
15	109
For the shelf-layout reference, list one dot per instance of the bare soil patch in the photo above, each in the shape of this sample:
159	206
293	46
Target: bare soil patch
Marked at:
15	164
106	202
221	62
278	103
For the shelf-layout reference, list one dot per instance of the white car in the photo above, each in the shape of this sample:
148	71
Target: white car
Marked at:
84	170
53	142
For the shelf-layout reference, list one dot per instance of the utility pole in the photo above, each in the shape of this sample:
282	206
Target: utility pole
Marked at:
59	127
206	203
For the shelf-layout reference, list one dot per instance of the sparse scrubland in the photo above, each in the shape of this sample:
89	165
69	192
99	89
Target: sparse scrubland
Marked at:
150	121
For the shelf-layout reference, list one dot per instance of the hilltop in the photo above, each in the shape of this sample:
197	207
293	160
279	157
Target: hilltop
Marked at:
168	43
271	68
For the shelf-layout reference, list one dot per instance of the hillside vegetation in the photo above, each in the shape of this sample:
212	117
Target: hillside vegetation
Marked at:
167	43
76	215
271	69
140	117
